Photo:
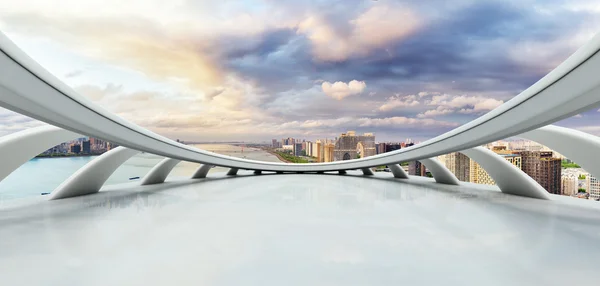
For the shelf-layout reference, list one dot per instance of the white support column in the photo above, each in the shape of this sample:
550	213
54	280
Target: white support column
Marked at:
398	171
509	178
159	173
232	172
440	173
90	178
581	147
202	171
367	172
19	147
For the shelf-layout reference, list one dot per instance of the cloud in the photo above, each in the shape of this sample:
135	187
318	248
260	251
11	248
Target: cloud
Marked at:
373	29
340	90
440	110
13	122
75	73
396	101
464	104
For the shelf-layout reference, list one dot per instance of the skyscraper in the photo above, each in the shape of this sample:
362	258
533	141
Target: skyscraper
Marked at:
319	151
380	148
415	168
75	148
569	185
86	147
593	187
543	168
329	147
478	175
458	164
297	149
274	143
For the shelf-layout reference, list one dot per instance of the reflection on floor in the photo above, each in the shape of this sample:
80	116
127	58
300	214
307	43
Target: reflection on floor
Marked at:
299	230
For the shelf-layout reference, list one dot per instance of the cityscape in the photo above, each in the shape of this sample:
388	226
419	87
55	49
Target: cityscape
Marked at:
554	172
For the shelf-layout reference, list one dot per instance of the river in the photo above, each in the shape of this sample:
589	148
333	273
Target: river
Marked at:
42	175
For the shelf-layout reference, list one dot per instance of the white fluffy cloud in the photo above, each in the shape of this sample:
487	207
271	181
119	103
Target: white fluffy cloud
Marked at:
340	90
462	104
397	101
375	28
435	112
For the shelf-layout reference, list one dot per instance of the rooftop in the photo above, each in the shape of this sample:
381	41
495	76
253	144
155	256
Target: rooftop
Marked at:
299	230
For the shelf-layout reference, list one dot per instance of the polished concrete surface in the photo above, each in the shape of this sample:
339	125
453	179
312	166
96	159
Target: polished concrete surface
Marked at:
299	230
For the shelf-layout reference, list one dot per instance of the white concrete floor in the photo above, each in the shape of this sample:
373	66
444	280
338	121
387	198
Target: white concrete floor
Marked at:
299	230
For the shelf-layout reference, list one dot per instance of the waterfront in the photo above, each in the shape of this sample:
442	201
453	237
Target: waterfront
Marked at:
42	175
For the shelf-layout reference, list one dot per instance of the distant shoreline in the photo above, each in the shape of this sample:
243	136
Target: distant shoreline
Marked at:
65	156
277	155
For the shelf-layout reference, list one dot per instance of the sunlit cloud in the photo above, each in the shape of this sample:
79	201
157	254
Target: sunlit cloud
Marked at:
340	90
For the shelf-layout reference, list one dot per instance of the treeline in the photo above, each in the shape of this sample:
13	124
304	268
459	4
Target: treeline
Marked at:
291	158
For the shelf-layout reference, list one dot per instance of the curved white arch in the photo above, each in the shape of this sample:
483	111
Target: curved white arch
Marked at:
159	173
202	172
19	147
232	172
440	173
398	171
367	172
581	147
569	89
509	178
90	178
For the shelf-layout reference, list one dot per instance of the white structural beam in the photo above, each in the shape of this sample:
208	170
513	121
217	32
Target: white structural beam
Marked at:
398	171
202	172
367	172
18	148
232	172
569	89
159	173
509	178
440	173
581	147
90	178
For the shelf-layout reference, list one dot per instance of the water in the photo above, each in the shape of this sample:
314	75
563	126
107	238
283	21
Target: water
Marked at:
42	175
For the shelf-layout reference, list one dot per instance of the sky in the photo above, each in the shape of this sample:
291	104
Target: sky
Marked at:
262	69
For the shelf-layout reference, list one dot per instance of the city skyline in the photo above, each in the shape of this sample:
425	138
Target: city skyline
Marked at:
267	69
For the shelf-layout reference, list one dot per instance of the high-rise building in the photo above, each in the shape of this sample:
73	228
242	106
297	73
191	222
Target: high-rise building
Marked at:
309	148
319	151
415	168
314	149
458	164
297	149
328	157
593	187
478	175
569	185
274	143
543	168
75	148
86	147
350	146
380	148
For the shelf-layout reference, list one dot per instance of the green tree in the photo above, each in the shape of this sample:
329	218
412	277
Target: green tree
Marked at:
582	190
582	177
